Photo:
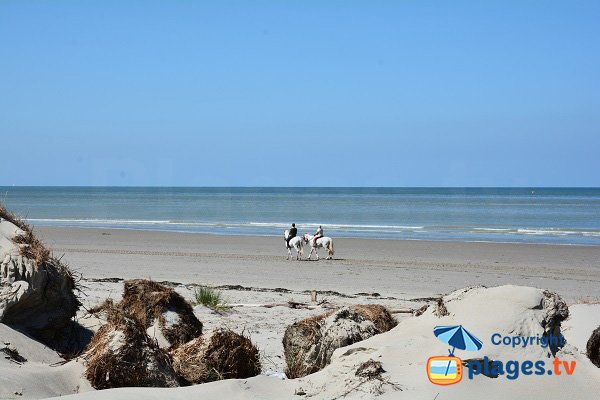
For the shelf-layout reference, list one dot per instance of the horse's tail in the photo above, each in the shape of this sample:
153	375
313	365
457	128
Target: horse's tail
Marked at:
330	247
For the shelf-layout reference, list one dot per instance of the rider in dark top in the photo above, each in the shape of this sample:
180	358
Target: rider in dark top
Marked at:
292	234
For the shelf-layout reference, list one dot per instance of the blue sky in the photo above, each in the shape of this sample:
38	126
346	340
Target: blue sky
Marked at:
290	93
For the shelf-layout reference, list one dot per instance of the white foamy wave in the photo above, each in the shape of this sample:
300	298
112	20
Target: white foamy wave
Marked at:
548	231
333	226
538	232
493	229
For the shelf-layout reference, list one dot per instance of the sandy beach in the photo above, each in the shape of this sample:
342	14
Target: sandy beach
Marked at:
393	268
252	272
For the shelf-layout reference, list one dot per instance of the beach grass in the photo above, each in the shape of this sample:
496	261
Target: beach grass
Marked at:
211	298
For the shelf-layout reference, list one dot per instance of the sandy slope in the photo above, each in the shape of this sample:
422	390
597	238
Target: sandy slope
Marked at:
42	375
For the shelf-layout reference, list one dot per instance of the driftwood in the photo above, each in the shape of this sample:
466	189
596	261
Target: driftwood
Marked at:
402	311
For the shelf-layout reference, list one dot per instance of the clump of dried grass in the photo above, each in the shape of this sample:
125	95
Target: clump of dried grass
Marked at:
440	308
378	314
121	354
12	354
12	218
47	310
309	343
370	369
593	347
370	380
298	340
30	245
223	355
147	301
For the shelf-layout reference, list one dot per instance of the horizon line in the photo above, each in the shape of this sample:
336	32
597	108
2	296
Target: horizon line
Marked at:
299	187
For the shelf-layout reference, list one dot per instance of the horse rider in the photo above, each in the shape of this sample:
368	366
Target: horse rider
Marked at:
318	234
292	234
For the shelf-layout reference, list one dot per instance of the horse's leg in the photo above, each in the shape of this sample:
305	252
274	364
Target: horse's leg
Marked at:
289	253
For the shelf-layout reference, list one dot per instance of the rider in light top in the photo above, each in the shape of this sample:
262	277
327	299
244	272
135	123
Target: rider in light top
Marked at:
319	234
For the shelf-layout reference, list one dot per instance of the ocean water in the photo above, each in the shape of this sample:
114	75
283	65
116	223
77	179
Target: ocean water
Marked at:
531	215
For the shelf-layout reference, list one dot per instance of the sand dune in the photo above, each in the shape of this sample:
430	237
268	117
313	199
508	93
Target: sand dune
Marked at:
403	353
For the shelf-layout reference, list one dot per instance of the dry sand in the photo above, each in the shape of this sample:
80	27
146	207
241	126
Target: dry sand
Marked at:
397	274
392	268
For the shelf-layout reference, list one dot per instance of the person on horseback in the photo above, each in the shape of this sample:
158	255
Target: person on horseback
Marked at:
319	234
292	234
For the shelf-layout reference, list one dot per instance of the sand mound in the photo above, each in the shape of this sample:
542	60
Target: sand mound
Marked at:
392	365
309	344
163	312
223	355
122	354
36	289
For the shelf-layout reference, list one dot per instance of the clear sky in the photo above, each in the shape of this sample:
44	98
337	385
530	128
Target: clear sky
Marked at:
300	93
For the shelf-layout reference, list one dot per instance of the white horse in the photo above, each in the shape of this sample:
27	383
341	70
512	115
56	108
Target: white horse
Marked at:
325	242
295	243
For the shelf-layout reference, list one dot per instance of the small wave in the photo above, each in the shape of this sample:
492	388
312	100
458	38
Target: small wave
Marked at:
547	231
570	232
334	226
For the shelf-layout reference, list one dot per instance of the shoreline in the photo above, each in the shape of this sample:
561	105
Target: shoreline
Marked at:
375	238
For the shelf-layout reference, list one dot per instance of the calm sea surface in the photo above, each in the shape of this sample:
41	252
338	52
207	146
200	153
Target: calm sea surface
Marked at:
533	215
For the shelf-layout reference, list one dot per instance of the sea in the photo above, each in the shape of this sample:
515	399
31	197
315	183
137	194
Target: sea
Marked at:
569	216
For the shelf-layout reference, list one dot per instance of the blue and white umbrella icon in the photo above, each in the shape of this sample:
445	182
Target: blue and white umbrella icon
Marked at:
457	337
